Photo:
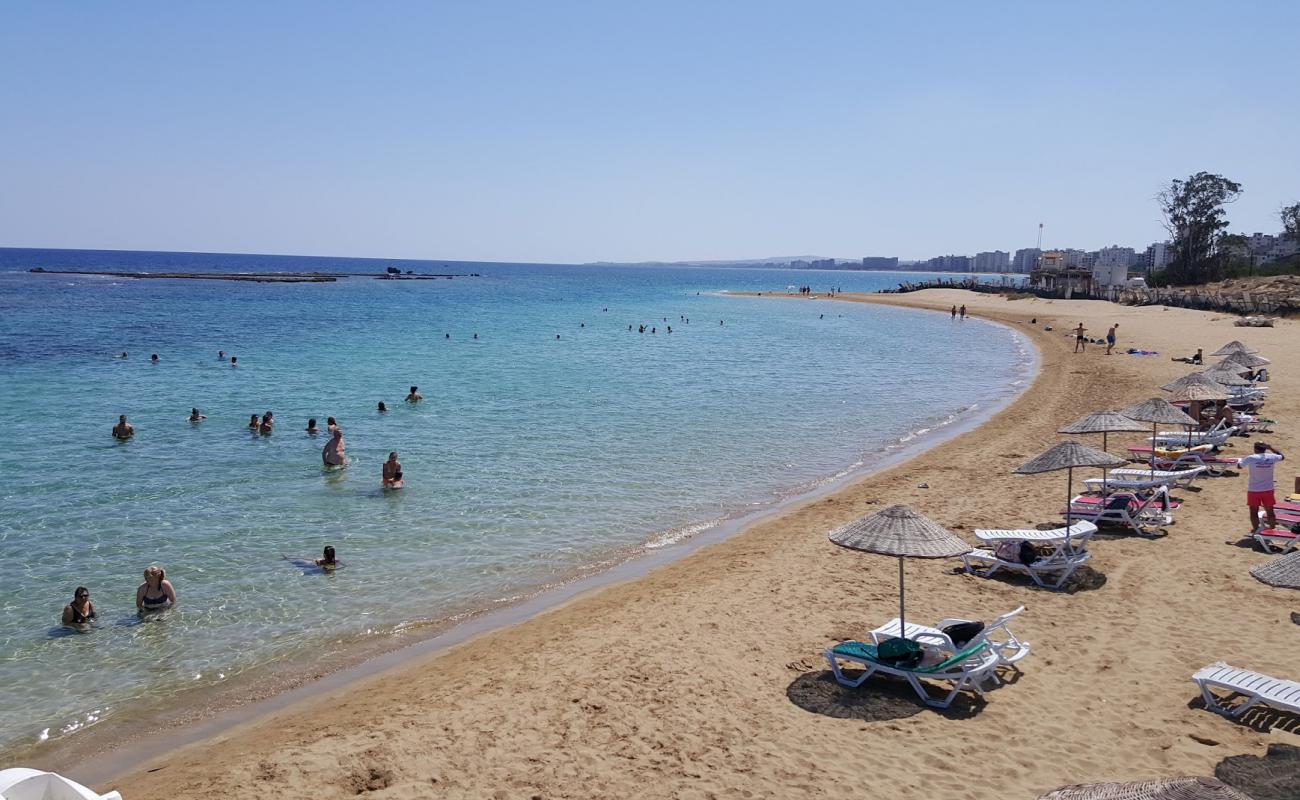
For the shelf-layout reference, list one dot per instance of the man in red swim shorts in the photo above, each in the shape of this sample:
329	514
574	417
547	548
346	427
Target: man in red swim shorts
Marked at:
1259	486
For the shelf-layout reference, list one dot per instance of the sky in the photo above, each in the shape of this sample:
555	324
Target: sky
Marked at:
618	131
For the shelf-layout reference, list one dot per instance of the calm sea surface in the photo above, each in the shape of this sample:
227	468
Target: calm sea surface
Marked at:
532	458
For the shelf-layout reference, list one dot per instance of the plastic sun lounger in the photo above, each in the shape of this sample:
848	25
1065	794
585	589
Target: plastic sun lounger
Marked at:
1126	510
965	670
21	783
1131	478
1257	688
1000	638
1276	540
1215	466
1050	571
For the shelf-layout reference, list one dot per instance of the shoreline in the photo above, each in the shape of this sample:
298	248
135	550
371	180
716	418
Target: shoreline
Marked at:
704	676
85	756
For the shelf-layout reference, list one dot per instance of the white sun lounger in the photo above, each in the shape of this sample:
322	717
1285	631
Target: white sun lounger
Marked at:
1050	571
1009	649
1131	479
21	783
1256	687
967	669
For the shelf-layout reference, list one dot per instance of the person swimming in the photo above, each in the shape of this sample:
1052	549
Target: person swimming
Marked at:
123	430
154	358
414	396
123	354
333	452
254	422
330	424
195	416
267	423
311	426
392	476
234	361
80	611
382	409
156	592
221	355
329	560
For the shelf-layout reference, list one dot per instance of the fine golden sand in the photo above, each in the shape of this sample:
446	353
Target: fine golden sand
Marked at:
704	678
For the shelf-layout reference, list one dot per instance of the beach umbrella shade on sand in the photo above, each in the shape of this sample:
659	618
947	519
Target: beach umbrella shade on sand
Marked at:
1157	411
1103	422
1283	572
1234	347
1167	789
901	532
1066	456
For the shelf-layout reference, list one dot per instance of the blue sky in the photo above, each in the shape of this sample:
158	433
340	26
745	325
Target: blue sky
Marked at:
562	132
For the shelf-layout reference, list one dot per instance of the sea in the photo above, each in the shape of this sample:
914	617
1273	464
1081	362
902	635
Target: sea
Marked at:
555	440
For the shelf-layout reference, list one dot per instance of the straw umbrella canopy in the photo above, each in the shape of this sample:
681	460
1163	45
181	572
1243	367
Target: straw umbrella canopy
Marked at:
1246	360
1283	572
1227	374
1157	411
899	531
1197	387
1066	456
1167	789
1103	422
1234	347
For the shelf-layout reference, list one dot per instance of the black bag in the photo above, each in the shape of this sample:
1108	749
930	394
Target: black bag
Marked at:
962	632
1028	553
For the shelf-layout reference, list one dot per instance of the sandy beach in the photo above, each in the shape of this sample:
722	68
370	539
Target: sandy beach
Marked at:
705	679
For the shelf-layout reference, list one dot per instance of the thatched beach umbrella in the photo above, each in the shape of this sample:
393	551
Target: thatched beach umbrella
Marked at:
1234	347
1157	411
1246	360
1167	789
1067	456
1103	422
900	531
1227	374
1196	389
1282	572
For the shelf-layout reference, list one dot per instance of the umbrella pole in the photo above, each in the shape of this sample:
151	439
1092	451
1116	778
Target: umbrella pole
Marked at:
1069	487
1104	490
1153	449
902	619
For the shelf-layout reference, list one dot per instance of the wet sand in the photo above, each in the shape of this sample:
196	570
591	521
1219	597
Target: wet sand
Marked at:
704	678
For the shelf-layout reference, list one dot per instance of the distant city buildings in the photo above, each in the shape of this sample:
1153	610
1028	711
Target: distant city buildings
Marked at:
879	262
996	261
1026	260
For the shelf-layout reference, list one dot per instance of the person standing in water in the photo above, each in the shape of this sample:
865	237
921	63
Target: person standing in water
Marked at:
414	396
254	423
333	452
392	477
330	425
123	430
382	409
195	416
329	560
221	355
954	312
234	361
80	611
267	422
156	592
311	427
962	311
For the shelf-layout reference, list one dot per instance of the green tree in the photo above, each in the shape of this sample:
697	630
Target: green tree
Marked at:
1290	216
1195	219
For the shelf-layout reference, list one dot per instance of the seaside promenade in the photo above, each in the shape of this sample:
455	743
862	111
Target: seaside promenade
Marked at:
704	678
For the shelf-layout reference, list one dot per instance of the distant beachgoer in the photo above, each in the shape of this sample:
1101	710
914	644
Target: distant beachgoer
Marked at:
156	591
392	476
267	423
382	409
328	560
962	311
195	416
654	330
123	430
1260	483
234	361
557	336
154	358
1080	341
333	452
80	611
221	355
414	396
446	336
1110	337
1196	359
311	427
330	425
582	324
954	312
123	354
670	328
254	422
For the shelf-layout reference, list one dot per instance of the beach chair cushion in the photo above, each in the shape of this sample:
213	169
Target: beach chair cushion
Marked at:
861	651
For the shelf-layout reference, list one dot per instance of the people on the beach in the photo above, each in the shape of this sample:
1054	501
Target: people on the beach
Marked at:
1080	340
962	311
392	474
330	425
195	416
1110	337
328	559
311	426
1260	483
1196	359
382	409
414	396
254	422
123	430
333	452
267	423
954	312
156	592
80	611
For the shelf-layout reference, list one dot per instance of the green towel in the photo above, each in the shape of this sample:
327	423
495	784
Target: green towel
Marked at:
869	652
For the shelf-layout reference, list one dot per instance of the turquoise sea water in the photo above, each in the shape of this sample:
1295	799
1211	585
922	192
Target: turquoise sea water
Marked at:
532	458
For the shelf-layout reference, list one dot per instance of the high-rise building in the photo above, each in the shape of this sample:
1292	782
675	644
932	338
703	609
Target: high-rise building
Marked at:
822	263
1157	256
879	262
1026	260
1111	266
995	261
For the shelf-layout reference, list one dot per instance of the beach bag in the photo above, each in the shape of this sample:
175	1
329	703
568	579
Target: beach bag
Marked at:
903	653
962	632
1028	553
1008	550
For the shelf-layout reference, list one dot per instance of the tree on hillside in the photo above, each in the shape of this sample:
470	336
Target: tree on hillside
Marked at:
1290	216
1195	219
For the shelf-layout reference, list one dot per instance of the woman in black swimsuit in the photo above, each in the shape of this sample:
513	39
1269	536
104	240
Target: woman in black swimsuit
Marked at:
156	592
80	611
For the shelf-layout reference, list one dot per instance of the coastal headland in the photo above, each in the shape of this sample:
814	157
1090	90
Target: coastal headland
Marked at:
704	678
